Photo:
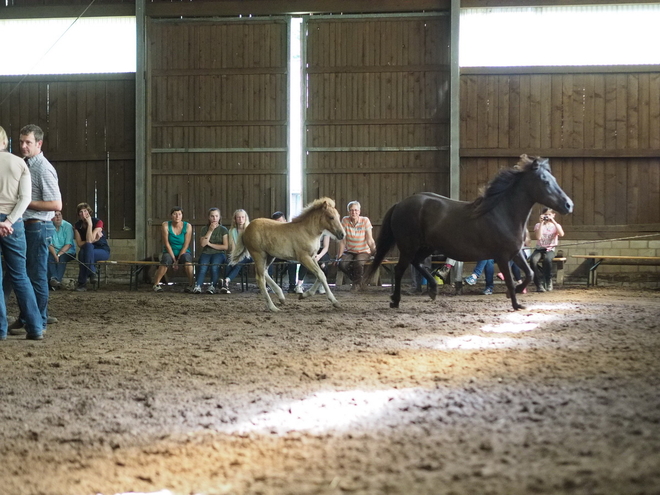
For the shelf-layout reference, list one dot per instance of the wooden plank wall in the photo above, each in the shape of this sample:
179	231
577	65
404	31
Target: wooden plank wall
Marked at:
600	127
377	116
85	119
217	119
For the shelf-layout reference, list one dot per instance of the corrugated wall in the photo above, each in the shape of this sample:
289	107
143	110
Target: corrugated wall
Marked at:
377	110
217	119
602	131
88	120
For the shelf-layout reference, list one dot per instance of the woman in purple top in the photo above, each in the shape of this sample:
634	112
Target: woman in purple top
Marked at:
92	245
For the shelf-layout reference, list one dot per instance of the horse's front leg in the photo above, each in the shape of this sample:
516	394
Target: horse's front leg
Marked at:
503	264
521	260
432	285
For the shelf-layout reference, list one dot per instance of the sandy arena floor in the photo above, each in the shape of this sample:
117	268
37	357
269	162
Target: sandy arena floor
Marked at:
199	394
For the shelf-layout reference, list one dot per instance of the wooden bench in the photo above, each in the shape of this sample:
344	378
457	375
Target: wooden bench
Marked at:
136	268
595	260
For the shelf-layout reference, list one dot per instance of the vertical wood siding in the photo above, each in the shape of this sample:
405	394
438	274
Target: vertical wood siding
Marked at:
600	129
217	111
377	114
84	119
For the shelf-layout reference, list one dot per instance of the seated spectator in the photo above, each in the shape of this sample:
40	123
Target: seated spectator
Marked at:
62	250
488	267
548	232
354	250
214	241
176	235
240	220
92	245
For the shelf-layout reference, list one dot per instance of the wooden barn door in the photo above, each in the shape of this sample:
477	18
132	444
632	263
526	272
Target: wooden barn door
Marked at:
377	109
216	118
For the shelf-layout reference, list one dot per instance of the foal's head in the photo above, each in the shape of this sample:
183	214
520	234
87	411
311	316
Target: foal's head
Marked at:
327	216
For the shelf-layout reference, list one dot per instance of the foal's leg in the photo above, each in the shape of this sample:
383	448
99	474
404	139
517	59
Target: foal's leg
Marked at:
503	264
312	265
273	284
261	271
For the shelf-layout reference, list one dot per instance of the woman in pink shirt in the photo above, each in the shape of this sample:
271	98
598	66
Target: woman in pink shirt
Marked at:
548	232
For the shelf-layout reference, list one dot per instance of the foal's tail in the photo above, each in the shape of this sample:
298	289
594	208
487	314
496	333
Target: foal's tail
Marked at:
384	243
239	252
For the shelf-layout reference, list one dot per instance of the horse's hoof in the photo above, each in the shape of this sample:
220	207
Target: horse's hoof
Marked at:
336	304
432	295
518	307
394	305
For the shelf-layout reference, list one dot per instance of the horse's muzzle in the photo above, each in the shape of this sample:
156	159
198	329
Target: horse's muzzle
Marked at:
568	205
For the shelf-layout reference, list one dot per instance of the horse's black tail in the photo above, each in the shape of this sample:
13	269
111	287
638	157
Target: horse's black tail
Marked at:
384	243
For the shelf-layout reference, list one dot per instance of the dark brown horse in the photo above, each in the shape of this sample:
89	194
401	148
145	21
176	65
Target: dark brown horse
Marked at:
491	227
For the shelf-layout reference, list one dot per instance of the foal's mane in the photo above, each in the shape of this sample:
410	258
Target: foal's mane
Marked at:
312	207
502	183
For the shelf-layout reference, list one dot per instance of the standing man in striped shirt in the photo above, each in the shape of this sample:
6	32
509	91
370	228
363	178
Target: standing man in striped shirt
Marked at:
354	250
39	229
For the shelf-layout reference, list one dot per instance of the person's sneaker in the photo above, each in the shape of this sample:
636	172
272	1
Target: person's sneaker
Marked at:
548	286
292	289
92	278
540	288
16	327
81	288
34	337
55	284
488	291
224	290
190	289
158	288
443	272
51	319
211	289
196	290
299	289
471	280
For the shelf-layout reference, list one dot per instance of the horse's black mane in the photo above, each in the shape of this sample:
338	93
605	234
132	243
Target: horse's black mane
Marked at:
505	179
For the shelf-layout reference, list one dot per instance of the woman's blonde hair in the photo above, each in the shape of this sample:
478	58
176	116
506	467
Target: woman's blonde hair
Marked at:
233	218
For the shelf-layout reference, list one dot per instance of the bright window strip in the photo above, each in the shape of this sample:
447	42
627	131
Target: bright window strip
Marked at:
537	36
55	46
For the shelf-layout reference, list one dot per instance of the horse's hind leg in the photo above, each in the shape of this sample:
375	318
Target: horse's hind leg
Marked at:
399	270
508	279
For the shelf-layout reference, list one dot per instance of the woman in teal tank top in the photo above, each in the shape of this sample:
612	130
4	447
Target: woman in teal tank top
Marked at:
177	236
